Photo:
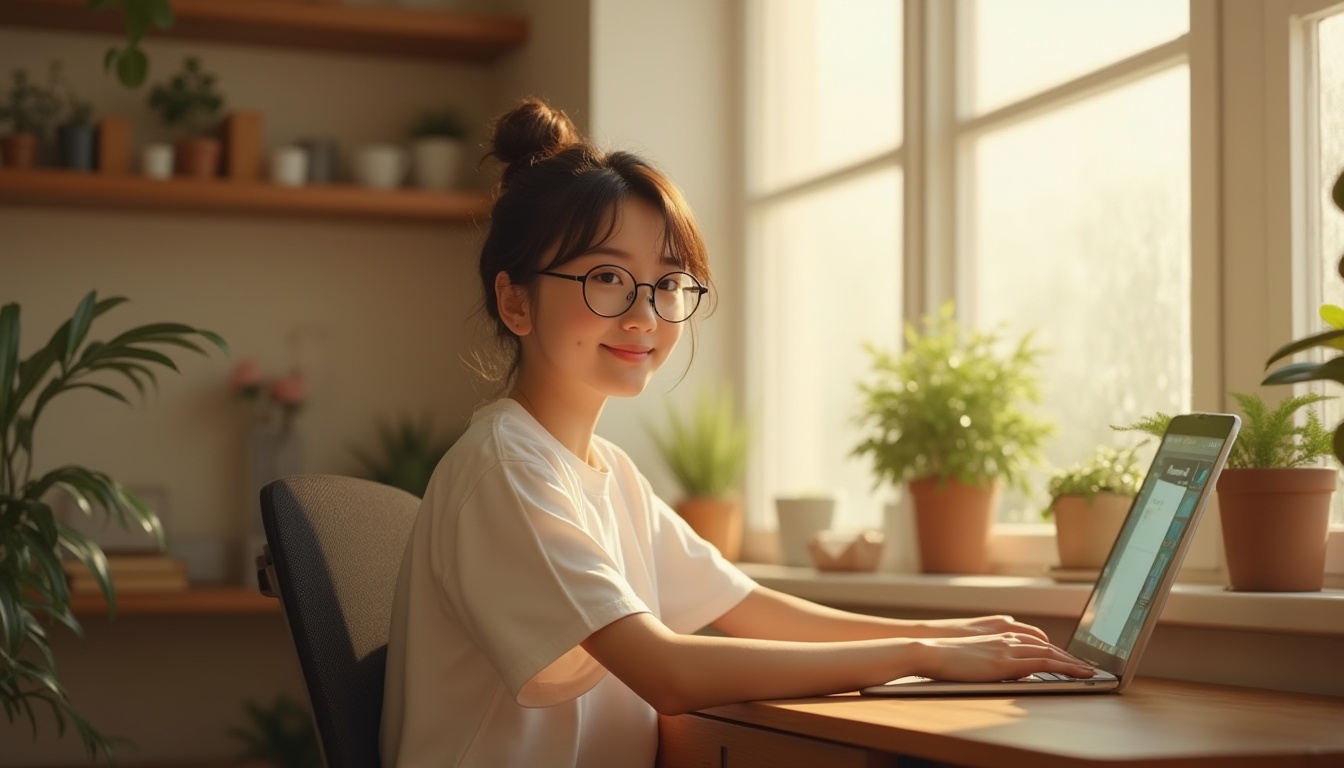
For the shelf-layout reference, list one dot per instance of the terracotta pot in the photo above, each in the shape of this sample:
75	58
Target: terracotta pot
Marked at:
717	520
1085	530
19	150
198	158
952	523
1275	525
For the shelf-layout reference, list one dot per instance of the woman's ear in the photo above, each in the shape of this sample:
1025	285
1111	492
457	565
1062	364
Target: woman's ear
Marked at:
515	308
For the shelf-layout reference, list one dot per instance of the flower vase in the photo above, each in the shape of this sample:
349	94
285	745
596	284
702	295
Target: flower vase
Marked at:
273	453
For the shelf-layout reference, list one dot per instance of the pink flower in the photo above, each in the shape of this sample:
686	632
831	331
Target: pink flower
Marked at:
289	391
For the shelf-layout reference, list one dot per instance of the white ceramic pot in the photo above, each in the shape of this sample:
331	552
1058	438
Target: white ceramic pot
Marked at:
289	166
799	520
156	160
381	166
435	162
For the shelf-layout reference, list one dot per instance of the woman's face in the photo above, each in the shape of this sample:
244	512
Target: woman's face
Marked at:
571	346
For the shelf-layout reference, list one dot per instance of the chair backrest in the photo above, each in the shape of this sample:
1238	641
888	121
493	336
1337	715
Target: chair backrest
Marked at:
333	550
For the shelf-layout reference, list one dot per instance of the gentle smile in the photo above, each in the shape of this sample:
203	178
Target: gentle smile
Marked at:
629	353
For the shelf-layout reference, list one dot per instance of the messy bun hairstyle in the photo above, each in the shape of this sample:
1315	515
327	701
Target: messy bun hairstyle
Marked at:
556	200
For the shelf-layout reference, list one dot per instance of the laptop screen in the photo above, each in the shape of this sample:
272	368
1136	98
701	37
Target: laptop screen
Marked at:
1137	575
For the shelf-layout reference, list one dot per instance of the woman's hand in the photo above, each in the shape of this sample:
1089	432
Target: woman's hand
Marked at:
988	658
978	626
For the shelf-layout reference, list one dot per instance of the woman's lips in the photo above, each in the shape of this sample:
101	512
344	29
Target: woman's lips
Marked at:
629	353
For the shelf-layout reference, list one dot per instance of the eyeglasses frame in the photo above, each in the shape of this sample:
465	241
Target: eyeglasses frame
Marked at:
634	293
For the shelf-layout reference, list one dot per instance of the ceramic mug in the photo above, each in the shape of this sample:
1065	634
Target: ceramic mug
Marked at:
381	166
289	166
156	160
800	519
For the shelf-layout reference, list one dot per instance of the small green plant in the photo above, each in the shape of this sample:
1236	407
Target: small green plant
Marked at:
952	406
446	123
281	734
189	100
1268	438
706	450
1107	470
30	107
32	582
410	452
130	63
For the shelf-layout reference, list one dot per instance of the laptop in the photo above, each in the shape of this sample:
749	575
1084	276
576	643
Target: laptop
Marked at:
1134	583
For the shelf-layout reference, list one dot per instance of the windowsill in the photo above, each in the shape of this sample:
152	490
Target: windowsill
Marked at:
1194	605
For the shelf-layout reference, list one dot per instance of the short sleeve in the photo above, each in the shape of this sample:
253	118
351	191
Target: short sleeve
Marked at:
529	584
696	584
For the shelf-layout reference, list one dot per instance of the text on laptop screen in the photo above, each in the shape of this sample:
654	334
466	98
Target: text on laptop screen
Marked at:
1146	544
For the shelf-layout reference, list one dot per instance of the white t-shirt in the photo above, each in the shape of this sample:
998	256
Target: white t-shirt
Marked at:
521	551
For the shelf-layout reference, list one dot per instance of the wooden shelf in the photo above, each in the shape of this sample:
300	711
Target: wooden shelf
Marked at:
49	186
315	25
197	601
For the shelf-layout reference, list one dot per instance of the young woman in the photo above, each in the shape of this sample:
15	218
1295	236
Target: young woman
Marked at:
548	601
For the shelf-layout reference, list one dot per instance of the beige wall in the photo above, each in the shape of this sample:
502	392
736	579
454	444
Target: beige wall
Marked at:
373	312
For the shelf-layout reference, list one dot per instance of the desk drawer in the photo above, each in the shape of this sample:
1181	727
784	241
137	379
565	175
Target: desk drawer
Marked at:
695	741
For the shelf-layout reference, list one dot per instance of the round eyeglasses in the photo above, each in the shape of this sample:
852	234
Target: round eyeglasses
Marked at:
610	291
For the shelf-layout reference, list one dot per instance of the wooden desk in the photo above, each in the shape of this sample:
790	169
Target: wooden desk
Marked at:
1153	723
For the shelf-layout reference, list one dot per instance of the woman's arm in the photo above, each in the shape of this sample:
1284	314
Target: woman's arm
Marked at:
772	615
683	673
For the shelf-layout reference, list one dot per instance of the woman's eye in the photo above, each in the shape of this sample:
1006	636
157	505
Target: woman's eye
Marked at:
607	277
670	284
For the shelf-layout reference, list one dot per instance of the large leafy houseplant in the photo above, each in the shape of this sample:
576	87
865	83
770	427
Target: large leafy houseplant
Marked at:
32	539
950	416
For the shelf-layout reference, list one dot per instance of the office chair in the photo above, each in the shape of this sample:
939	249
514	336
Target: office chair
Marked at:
333	550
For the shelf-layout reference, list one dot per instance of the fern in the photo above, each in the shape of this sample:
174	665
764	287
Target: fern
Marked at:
1270	438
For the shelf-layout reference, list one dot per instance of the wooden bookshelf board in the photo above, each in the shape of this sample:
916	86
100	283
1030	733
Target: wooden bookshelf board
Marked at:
382	30
196	601
48	186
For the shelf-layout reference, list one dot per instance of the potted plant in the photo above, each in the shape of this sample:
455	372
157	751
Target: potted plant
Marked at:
33	585
29	108
949	417
436	148
410	452
706	452
1274	507
1089	502
76	136
190	102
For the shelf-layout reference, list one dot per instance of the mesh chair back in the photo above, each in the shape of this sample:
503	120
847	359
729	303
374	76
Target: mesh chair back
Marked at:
334	546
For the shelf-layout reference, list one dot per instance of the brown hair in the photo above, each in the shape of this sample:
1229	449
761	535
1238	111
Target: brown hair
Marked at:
559	191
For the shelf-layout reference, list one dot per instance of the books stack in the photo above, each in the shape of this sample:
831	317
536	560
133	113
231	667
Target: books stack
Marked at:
131	573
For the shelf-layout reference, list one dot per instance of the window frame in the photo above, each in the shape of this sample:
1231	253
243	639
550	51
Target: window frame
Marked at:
1247	202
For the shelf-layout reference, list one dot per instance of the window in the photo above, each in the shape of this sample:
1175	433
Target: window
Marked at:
825	181
1066	136
1324	59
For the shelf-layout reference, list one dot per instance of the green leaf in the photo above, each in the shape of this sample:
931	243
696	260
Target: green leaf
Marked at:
9	359
1318	340
79	327
1296	373
1332	315
162	13
132	67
